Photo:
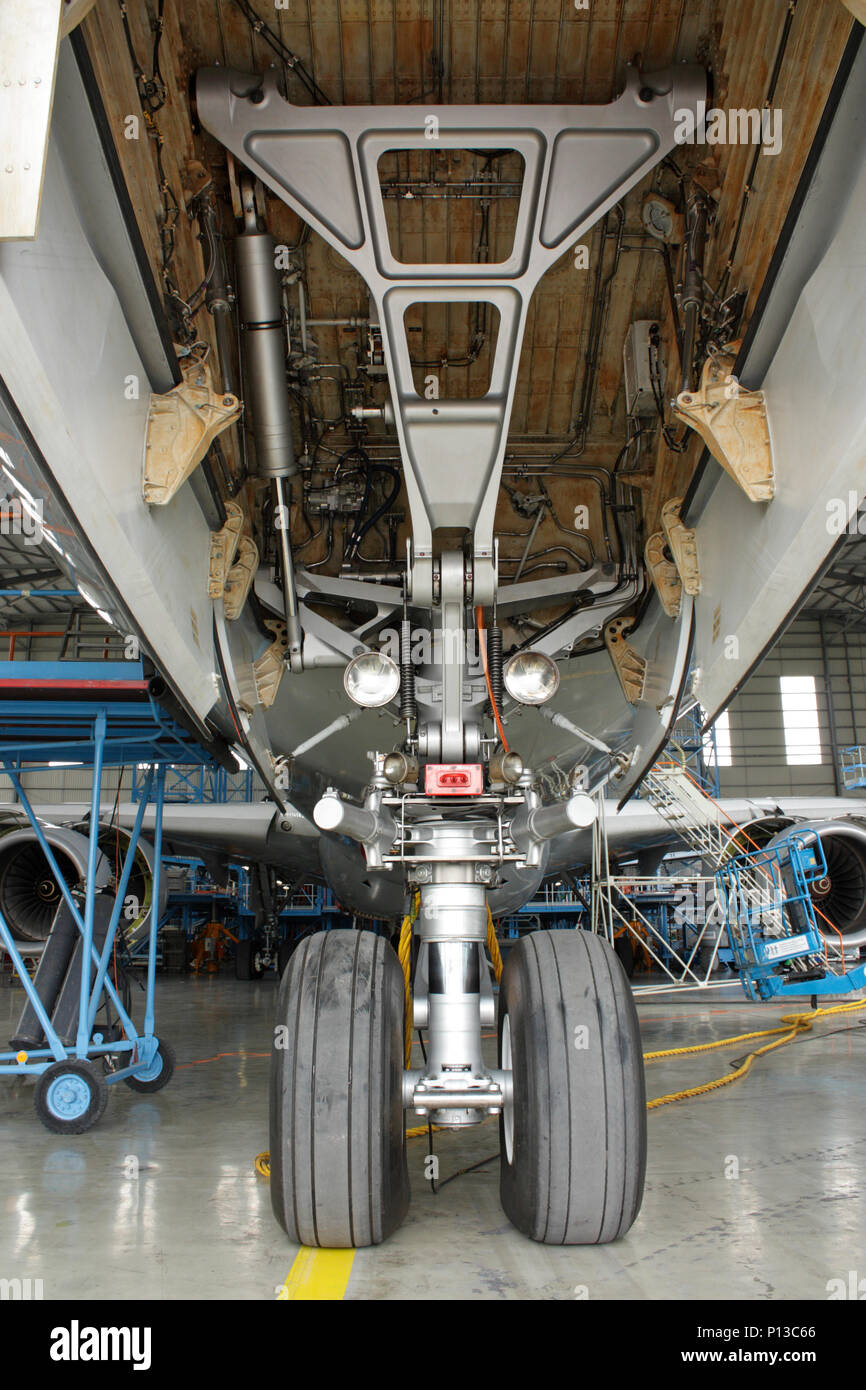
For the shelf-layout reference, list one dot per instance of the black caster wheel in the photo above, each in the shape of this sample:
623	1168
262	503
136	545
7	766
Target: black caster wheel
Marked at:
158	1074
70	1097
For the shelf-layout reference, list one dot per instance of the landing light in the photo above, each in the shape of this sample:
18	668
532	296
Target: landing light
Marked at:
531	678
371	679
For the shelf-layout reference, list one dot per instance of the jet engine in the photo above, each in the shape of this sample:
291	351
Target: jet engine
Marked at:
113	841
29	894
840	896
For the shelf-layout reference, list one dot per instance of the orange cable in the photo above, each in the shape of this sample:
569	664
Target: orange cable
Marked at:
201	1061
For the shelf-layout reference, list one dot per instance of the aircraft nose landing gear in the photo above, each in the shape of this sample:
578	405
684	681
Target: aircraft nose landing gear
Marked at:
569	1088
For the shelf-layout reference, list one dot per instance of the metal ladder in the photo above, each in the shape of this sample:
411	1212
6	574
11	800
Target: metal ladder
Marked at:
700	822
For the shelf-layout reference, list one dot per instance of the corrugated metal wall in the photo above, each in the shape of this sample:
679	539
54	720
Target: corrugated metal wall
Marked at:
759	763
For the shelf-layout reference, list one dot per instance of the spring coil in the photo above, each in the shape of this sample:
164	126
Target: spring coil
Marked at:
408	704
494	664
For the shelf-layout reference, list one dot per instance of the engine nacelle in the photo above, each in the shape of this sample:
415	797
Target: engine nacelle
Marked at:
138	900
30	897
29	894
839	897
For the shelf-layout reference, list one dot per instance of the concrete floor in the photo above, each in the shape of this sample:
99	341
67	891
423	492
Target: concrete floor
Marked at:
197	1223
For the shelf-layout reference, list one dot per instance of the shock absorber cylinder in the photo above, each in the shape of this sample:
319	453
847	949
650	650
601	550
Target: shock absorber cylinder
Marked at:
264	349
453	921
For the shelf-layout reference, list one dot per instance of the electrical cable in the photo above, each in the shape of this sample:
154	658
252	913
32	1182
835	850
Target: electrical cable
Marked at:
793	1026
291	62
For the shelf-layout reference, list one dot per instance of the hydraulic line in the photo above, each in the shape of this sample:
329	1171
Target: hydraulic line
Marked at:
290	593
693	288
217	296
385	506
482	646
526	549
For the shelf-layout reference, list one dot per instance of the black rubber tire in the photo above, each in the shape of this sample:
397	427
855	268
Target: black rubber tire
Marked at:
284	955
169	1062
624	947
98	1097
245	961
578	1158
339	1176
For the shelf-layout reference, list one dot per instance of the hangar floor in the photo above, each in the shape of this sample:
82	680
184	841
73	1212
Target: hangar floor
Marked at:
196	1223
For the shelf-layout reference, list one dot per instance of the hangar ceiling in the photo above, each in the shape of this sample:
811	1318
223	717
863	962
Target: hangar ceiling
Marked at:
409	51
569	428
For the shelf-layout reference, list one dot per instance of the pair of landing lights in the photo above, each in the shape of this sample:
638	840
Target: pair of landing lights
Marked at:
373	679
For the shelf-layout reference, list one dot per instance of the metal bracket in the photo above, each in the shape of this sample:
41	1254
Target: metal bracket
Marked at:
181	426
665	574
268	669
733	424
629	665
683	546
323	162
223	545
240	577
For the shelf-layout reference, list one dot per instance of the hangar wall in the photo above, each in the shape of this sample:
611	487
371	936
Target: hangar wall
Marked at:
759	764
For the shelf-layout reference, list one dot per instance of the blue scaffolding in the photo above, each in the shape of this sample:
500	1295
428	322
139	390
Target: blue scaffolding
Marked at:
771	921
852	764
99	715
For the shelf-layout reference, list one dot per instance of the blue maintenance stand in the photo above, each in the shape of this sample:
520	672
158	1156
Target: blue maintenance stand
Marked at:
97	714
770	888
852	764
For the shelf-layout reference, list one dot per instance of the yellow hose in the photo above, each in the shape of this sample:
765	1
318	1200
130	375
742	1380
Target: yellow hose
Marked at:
493	946
404	955
793	1026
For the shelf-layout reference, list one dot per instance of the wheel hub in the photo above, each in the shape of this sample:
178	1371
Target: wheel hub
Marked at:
508	1107
68	1097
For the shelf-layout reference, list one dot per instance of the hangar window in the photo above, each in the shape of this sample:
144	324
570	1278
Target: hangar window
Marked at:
800	720
717	742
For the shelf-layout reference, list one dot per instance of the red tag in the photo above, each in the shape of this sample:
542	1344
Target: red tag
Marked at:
453	779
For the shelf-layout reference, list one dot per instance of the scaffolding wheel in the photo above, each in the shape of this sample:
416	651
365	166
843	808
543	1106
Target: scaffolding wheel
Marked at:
70	1097
339	1176
158	1074
573	1138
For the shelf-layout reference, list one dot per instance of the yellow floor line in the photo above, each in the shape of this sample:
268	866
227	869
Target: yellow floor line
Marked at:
318	1274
